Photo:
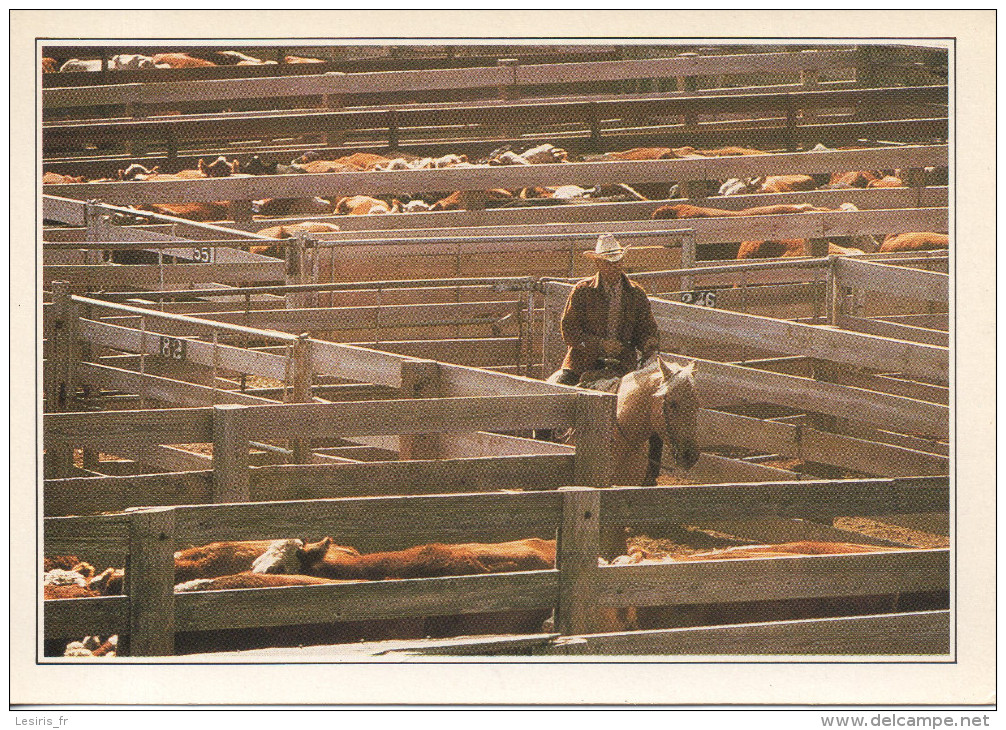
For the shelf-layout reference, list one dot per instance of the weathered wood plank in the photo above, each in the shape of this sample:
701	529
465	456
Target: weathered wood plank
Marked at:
85	495
163	389
711	468
893	330
815	576
356	363
151	276
74	618
792	338
873	276
368	600
807	500
724	384
370	524
801	442
412	416
230	454
132	339
343	318
96	538
131	428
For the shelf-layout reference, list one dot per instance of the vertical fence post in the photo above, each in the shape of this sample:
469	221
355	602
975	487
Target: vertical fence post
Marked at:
150	578
421	379
553	347
303	378
689	253
231	481
334	102
576	559
61	382
508	91
595	425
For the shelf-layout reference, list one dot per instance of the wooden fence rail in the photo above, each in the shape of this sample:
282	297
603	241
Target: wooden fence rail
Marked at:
448	79
68	135
151	613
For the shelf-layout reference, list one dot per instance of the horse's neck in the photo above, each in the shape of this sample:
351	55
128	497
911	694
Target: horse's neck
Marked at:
635	404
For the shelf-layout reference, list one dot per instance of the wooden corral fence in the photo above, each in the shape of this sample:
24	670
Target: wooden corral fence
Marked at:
377	440
334	59
578	590
782	123
498	76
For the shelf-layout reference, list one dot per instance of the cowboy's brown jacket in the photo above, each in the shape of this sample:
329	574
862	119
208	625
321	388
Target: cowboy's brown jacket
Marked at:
585	322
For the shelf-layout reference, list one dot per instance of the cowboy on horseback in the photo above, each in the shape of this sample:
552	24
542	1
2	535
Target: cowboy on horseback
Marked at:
607	322
607	325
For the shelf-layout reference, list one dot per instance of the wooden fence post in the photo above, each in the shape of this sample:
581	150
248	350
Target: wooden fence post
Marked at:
230	454
595	425
553	347
334	138
150	578
296	268
61	382
421	379
576	559
508	91
809	78
303	378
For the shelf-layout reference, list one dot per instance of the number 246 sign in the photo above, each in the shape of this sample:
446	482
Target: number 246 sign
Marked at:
702	298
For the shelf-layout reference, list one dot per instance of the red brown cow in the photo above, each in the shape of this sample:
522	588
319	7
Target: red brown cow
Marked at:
328	560
787	184
685	210
641	153
361	205
888	181
54	178
915	242
718	152
180	60
218	558
290	231
49	65
203	212
471	199
856	178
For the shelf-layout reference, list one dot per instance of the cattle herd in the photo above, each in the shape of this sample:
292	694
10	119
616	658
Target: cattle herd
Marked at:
542	153
236	565
288	561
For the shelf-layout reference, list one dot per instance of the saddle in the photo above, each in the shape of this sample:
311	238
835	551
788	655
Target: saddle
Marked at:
605	379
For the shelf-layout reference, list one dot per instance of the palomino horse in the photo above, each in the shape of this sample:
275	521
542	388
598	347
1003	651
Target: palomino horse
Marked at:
656	400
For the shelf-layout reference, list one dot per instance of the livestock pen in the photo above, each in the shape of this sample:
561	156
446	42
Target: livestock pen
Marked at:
379	383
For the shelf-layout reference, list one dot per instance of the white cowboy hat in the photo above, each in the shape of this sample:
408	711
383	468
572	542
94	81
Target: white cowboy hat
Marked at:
607	248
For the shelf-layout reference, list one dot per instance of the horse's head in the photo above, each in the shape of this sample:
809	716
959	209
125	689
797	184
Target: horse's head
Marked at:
676	410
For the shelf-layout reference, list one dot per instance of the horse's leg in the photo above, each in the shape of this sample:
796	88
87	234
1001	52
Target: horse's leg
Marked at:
656	450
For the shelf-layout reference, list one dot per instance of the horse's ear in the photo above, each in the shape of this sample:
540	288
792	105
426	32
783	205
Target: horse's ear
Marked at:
665	370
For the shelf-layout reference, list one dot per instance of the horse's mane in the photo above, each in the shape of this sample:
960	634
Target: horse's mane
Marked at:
651	366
